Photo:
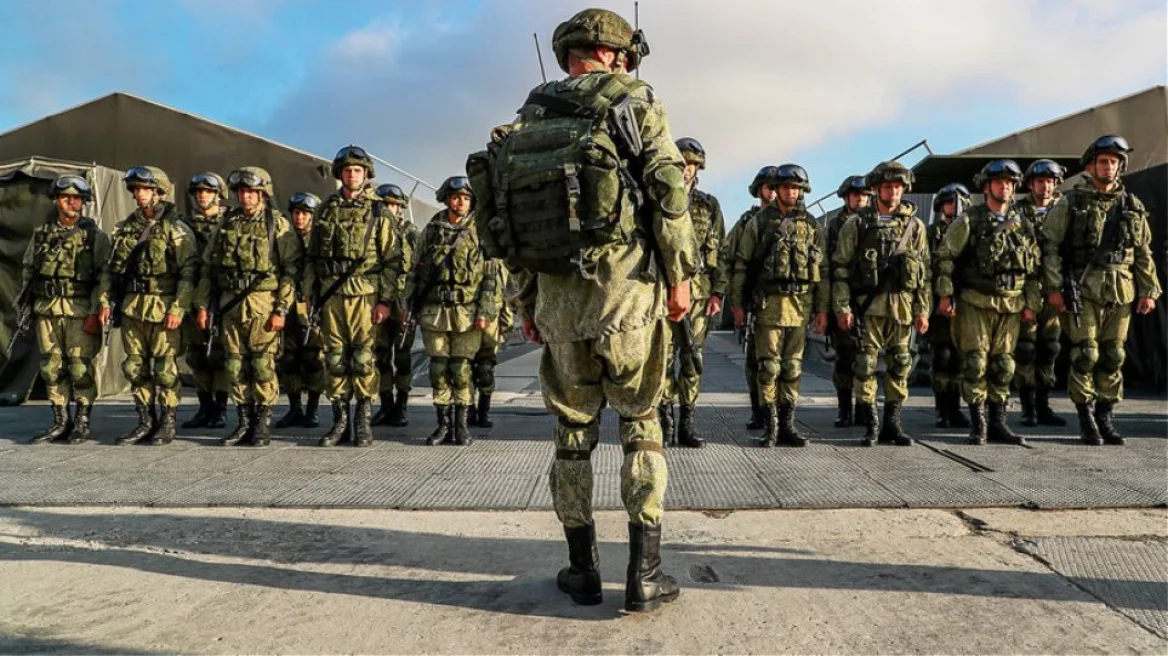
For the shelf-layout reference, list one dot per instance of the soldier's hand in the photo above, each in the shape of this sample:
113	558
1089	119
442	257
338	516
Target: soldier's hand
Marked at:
945	307
714	305
739	316
1145	305
679	301
1028	315
202	319
921	324
104	315
531	333
820	326
380	314
845	321
173	321
275	323
1055	299
481	324
92	325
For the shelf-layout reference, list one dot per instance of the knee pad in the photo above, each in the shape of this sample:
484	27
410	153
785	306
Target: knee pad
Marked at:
81	372
900	363
790	370
1111	356
942	356
1026	352
974	368
460	372
134	367
364	362
197	358
233	365
1001	370
865	367
310	362
166	371
439	370
336	364
484	372
1048	350
51	368
262	369
1084	355
768	370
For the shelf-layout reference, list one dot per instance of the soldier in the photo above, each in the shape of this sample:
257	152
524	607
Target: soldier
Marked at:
251	268
856	195
494	336
706	294
761	189
1098	242
606	259
882	258
784	245
209	191
949	203
301	365
1038	343
352	283
153	267
451	298
62	281
393	344
994	254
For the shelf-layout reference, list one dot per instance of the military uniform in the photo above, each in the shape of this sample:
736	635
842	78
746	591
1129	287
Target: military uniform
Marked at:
843	341
394	347
945	367
725	268
485	361
301	363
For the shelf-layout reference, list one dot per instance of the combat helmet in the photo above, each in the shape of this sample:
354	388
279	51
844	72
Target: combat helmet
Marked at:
792	174
766	175
150	177
890	171
208	180
453	184
949	192
392	194
1108	143
251	177
997	170
1044	168
692	152
353	156
852	184
302	200
599	27
71	183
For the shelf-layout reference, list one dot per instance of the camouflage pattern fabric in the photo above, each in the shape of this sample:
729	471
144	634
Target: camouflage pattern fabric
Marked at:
251	356
1097	352
394	359
882	332
67	355
151	363
986	339
780	357
301	365
1038	339
451	353
682	380
346	329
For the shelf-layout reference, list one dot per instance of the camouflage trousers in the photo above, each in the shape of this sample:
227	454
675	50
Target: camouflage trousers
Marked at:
780	363
1097	352
346	332
946	366
883	333
750	367
300	365
210	372
681	371
1038	348
845	345
626	370
394	359
986	340
151	364
67	355
251	359
486	359
450	357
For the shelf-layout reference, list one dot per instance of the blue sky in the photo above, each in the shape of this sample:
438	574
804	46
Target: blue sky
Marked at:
835	85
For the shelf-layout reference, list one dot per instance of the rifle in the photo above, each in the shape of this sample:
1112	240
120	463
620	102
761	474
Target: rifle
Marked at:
1072	284
214	309
418	299
24	315
884	273
119	280
316	299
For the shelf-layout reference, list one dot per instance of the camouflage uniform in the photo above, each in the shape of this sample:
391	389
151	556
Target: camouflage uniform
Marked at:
725	267
945	365
494	337
68	262
843	341
394	347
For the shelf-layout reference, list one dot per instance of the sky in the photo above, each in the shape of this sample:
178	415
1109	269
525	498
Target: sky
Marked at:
833	85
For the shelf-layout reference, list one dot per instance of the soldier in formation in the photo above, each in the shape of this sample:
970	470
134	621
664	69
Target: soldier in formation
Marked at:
301	363
487	358
948	203
856	195
394	344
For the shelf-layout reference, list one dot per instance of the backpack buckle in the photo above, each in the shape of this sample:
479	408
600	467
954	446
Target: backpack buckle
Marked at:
572	185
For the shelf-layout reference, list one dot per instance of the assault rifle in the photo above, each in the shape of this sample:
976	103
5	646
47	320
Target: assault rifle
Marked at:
418	300
24	315
119	281
886	272
317	299
1072	284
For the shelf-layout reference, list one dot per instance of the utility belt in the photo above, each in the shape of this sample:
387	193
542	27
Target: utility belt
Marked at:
333	267
238	281
1010	281
787	287
62	288
450	296
156	286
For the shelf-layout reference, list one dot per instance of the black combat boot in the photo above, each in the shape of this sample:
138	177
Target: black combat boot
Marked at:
941	408
261	433
340	432
472	412
312	411
668	425
166	426
81	429
788	431
647	586
295	414
60	429
244	428
998	430
462	436
1105	420
1046	416
757	417
143	429
1026	396
771	436
401	415
581	578
978	428
206	410
384	411
893	430
441	434
218	419
1088	429
363	423
687	432
956	418
866	415
484	411
844	417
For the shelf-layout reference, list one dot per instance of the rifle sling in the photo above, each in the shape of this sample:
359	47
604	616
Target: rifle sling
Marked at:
901	247
349	272
432	279
258	278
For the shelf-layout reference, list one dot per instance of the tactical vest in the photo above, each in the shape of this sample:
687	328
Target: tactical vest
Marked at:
65	260
876	267
1088	213
702	207
459	281
1000	255
244	250
156	267
790	255
559	179
339	234
202	226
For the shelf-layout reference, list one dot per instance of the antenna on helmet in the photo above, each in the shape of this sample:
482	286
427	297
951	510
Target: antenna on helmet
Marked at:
637	26
539	55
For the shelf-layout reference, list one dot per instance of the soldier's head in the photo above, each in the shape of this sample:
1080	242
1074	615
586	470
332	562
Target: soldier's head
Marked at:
598	40
998	180
148	185
854	192
1106	158
302	206
763	187
208	190
792	183
694	155
945	201
252	186
69	194
394	198
457	195
353	167
1042	177
890	180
